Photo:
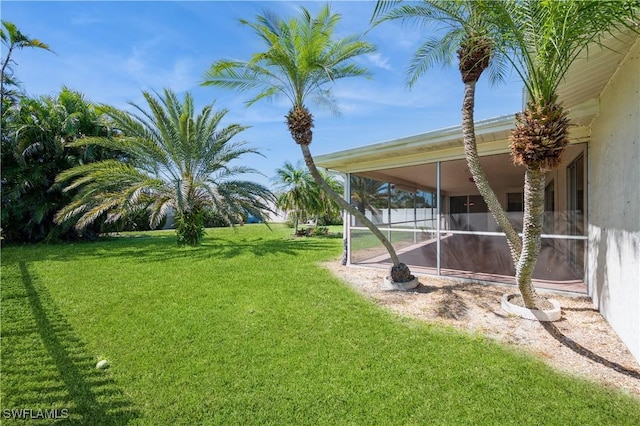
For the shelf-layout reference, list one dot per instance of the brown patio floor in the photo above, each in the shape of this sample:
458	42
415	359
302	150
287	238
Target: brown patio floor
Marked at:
462	255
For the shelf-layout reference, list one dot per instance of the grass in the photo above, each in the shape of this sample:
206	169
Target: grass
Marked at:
365	245
247	329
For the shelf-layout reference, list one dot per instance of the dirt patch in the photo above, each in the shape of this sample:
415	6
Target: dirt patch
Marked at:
582	343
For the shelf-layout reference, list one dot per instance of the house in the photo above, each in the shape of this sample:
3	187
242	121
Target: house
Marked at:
419	191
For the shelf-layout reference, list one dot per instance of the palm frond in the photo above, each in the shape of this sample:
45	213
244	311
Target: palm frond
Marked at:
300	59
452	24
547	37
175	159
433	51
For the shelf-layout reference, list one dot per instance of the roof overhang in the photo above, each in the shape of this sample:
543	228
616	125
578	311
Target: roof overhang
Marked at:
441	145
580	92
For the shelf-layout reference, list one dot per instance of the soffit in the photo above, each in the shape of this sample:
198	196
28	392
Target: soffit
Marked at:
440	145
414	148
590	73
455	175
580	91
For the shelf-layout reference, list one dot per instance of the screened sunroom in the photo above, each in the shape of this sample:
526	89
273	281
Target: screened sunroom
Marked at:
420	193
423	198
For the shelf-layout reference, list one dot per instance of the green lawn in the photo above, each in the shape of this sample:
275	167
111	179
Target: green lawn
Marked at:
247	329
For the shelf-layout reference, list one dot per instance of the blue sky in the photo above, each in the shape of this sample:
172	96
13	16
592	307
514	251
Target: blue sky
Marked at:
111	51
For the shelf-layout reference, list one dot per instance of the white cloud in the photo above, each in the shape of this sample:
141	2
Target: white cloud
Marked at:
379	61
379	94
134	65
87	20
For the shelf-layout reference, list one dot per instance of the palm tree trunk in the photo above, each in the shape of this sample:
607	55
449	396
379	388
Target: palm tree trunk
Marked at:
2	71
532	230
479	177
308	159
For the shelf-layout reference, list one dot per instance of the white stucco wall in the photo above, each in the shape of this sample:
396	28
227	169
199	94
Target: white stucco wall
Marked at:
614	203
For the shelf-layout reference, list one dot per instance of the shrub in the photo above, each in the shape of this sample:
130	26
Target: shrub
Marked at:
136	220
312	231
291	219
190	227
327	220
319	231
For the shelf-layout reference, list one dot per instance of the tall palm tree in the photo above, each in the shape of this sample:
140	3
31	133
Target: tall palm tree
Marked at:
462	29
13	39
296	191
540	39
302	57
546	37
175	160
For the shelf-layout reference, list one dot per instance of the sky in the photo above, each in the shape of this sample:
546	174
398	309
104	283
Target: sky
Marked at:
112	51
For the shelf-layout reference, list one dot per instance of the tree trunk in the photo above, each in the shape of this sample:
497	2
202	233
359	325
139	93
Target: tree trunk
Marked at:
532	230
308	159
479	177
2	71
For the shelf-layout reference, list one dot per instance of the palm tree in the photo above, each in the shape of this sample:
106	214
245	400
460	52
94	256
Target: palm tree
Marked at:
300	194
296	191
464	29
541	39
301	59
175	160
37	148
13	39
367	194
546	37
327	208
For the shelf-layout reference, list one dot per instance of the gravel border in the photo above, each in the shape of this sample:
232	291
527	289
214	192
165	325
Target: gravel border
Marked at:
581	343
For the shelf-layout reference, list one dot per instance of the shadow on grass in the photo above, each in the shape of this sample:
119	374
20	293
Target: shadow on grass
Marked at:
45	366
161	248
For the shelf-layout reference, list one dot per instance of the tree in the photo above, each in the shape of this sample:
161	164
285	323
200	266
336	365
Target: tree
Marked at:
540	39
300	194
37	147
462	29
296	191
13	39
174	160
301	59
367	194
545	38
328	210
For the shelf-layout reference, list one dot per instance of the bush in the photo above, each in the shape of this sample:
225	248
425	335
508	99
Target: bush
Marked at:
190	227
320	231
312	231
213	219
327	220
301	232
291	219
136	220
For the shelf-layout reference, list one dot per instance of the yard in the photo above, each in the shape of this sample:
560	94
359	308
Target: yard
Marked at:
248	329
